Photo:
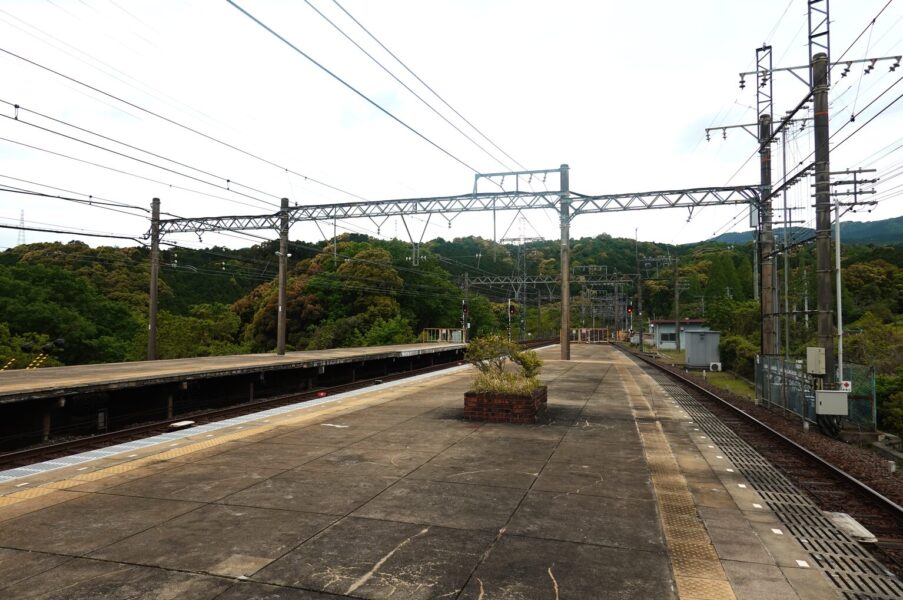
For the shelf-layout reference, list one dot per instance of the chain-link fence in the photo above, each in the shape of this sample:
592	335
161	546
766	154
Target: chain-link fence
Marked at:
784	384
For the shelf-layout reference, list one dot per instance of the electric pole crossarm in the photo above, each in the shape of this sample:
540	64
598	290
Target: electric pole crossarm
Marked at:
689	198
846	63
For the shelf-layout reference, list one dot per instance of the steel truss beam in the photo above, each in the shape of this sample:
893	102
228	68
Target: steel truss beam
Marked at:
539	279
688	198
483	201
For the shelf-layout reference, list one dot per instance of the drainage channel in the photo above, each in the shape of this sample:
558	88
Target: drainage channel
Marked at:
849	566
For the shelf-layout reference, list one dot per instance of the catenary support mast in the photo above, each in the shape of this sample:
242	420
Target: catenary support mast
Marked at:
154	279
565	212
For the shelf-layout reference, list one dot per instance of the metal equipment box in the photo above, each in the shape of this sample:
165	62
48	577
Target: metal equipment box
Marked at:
831	402
702	348
815	360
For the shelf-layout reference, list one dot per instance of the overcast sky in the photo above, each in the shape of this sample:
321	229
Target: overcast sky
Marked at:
621	91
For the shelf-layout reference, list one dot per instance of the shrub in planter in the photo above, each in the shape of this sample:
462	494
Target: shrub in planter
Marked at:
514	394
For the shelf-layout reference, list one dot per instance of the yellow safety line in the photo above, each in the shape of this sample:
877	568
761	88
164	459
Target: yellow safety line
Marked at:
694	561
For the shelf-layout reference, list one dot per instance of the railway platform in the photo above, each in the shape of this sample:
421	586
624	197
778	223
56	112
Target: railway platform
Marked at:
56	382
387	492
39	404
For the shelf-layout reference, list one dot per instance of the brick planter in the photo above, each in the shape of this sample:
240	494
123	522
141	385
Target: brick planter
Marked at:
505	408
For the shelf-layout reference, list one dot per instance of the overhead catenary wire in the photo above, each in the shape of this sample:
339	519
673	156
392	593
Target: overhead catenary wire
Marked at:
369	100
23	191
72	232
225	187
862	33
872	118
124	172
427	86
230	181
406	86
89	198
180	125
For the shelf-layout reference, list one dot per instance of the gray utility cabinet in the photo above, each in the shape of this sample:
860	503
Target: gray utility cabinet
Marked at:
702	349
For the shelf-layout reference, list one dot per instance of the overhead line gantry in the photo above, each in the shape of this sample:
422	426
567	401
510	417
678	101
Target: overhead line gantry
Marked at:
568	205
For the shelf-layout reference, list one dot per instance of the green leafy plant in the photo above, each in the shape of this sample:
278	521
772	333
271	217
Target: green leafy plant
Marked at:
490	355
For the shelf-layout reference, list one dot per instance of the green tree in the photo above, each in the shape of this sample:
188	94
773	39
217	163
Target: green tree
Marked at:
50	301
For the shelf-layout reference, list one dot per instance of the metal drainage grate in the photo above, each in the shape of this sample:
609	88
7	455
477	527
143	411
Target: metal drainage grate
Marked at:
852	570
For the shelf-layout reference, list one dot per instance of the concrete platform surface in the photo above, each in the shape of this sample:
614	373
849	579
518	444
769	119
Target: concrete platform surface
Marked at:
391	494
26	384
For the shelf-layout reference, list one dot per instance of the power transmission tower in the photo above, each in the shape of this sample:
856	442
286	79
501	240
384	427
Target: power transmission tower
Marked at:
520	287
20	238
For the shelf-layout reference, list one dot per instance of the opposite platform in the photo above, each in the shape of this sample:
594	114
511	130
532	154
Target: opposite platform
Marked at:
53	382
391	494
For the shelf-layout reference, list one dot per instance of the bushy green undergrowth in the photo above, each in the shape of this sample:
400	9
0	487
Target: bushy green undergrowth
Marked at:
506	382
490	354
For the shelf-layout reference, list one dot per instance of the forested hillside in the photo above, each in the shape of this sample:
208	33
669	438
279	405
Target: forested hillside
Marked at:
362	291
884	231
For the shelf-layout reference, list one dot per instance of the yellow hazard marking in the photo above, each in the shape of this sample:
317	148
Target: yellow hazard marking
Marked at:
697	569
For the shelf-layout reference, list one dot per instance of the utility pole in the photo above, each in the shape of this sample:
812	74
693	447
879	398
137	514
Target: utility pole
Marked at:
837	284
806	297
283	276
786	253
766	240
466	311
823	214
538	313
677	303
639	287
509	319
565	207
154	277
837	248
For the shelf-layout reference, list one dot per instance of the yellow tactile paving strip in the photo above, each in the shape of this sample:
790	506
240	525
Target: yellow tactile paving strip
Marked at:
302	417
696	566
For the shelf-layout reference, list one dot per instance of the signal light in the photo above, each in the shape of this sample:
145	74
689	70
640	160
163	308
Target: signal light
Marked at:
629	310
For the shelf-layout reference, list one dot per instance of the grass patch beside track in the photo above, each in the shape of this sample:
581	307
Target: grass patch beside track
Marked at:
724	381
732	383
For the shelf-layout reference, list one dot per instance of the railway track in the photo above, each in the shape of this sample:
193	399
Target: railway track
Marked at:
834	475
58	449
62	448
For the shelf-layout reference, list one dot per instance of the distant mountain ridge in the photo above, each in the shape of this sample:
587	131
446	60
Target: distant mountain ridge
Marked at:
885	231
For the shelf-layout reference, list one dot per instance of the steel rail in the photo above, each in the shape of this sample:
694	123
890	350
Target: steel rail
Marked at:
887	502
